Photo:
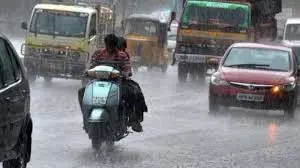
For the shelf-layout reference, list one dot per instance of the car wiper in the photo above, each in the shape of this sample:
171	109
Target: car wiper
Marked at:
248	65
256	66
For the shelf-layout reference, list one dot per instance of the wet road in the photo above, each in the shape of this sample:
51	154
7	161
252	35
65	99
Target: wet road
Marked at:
178	132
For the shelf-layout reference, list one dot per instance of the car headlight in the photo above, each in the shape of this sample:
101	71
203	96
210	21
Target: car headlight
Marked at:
289	86
217	81
285	87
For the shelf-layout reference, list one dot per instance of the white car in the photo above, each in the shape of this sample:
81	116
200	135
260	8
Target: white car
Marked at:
291	30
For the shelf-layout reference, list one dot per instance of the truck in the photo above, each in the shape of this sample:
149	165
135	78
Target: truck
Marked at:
208	27
61	38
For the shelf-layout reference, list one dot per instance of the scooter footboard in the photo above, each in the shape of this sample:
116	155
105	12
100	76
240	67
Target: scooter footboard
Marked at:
99	115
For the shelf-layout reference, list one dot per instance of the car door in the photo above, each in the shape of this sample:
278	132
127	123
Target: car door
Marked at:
12	96
23	86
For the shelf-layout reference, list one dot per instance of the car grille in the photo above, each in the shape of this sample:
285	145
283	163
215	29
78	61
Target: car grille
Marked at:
251	87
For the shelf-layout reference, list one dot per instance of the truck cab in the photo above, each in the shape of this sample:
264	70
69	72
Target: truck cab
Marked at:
208	28
61	38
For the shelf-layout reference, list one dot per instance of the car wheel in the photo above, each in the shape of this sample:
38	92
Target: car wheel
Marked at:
182	72
290	107
213	105
25	151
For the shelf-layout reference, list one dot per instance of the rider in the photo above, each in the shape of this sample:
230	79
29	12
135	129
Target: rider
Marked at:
138	96
112	53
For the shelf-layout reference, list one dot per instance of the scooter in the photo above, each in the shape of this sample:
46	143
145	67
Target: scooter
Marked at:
105	114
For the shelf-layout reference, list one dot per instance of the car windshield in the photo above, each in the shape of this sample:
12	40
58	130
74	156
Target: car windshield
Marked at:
258	58
292	32
59	23
215	13
143	28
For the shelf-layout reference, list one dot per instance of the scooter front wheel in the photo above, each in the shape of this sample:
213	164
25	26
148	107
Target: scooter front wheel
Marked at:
96	144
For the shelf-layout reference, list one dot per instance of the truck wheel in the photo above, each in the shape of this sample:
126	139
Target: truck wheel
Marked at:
182	72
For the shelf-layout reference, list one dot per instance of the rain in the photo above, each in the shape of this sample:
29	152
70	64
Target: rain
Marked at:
178	130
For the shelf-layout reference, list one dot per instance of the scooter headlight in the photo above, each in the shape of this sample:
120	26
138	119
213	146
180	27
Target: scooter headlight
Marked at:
98	74
102	75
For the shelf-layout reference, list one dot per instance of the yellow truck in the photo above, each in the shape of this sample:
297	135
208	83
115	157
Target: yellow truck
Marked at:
208	27
61	38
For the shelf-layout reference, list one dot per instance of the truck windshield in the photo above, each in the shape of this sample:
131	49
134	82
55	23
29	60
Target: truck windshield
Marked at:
142	28
292	32
211	15
59	23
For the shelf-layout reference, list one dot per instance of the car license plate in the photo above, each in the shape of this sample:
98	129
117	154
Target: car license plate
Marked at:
250	97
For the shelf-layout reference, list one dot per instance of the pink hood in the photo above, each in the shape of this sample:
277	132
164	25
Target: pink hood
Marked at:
254	76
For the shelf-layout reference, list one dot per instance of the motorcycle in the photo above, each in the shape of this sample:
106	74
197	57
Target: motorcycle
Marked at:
105	114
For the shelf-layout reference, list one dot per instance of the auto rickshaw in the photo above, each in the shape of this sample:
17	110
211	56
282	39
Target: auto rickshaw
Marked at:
147	41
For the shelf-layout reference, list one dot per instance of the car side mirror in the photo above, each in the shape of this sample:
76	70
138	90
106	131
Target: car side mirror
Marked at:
213	63
24	25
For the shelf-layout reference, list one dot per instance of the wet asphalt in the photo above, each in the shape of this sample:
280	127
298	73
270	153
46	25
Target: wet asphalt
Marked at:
178	131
